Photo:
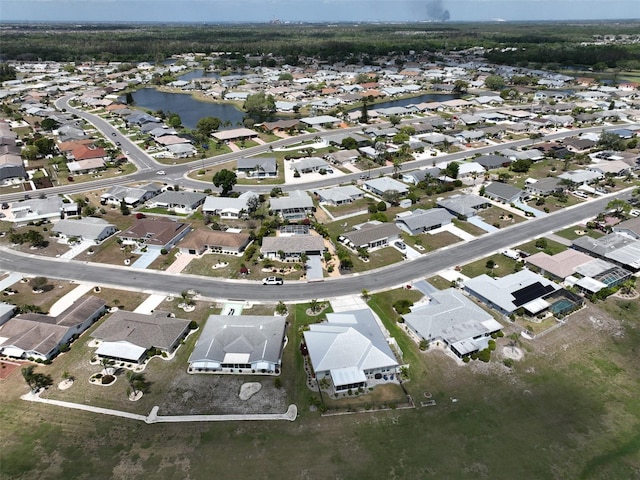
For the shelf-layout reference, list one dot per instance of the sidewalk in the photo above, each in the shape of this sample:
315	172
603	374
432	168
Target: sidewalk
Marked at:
153	417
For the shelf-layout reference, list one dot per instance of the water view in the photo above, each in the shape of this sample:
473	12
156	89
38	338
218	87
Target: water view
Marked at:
189	109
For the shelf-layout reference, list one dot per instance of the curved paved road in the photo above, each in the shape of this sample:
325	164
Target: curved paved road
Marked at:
393	275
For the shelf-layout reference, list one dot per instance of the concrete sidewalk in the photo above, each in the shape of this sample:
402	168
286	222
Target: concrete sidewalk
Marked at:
291	414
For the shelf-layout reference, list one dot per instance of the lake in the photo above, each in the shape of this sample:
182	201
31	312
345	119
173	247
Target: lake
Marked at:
189	109
427	97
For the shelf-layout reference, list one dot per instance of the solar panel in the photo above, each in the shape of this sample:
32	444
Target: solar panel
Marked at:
531	292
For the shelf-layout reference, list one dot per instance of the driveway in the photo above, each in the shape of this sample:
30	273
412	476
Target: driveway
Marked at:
480	223
526	208
77	249
146	259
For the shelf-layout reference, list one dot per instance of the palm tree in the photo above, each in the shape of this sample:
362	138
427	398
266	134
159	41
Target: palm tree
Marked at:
107	365
36	381
397	166
314	305
365	294
136	381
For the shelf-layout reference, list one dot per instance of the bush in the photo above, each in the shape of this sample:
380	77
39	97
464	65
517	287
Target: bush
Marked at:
381	206
465	359
163	251
508	362
402	306
424	345
492	345
193	325
484	355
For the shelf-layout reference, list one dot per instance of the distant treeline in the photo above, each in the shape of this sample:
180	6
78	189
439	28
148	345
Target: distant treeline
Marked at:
537	43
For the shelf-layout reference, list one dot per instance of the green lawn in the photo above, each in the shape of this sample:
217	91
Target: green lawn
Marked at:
578	231
552	247
503	266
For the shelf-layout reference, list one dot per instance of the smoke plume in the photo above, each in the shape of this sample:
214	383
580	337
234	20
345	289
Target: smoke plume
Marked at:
436	12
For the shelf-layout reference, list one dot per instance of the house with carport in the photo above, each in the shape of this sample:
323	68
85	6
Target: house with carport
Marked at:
129	336
132	196
350	351
240	344
258	167
292	247
464	206
503	192
154	233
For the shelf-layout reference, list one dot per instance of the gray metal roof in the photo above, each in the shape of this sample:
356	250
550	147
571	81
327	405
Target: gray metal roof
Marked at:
372	232
464	205
502	191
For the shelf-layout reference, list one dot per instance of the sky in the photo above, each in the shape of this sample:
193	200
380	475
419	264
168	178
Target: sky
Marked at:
214	11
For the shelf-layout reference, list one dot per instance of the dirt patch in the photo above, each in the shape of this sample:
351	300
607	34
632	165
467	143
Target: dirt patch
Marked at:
514	353
214	394
8	367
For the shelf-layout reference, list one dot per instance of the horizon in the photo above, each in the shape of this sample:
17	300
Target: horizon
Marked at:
315	11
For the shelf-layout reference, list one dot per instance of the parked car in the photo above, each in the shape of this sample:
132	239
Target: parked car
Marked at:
160	172
272	281
400	245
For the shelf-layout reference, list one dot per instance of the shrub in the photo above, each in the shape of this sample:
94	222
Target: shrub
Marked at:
484	355
465	359
163	251
508	362
492	345
381	206
402	306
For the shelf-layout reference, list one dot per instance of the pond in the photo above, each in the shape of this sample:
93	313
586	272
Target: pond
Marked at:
189	109
427	97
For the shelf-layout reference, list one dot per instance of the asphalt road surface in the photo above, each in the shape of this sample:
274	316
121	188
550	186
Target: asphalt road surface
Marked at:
390	276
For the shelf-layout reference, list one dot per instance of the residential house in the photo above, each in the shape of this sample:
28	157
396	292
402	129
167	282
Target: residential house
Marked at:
464	206
228	207
350	351
240	344
309	165
155	233
491	162
86	228
420	221
40	209
235	134
560	265
339	195
503	192
129	336
385	185
521	290
416	176
615	247
292	247
297	206
630	228
342	157
544	187
204	240
178	202
580	177
371	235
256	167
131	196
40	336
451	318
181	150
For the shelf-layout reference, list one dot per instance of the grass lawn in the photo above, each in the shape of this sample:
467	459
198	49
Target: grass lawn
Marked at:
503	266
578	231
53	291
439	282
468	227
204	266
356	206
378	258
431	242
552	248
575	394
499	217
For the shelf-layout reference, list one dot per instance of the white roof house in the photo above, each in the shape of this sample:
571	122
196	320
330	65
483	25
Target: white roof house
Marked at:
239	344
452	318
524	289
87	228
350	349
385	184
228	207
